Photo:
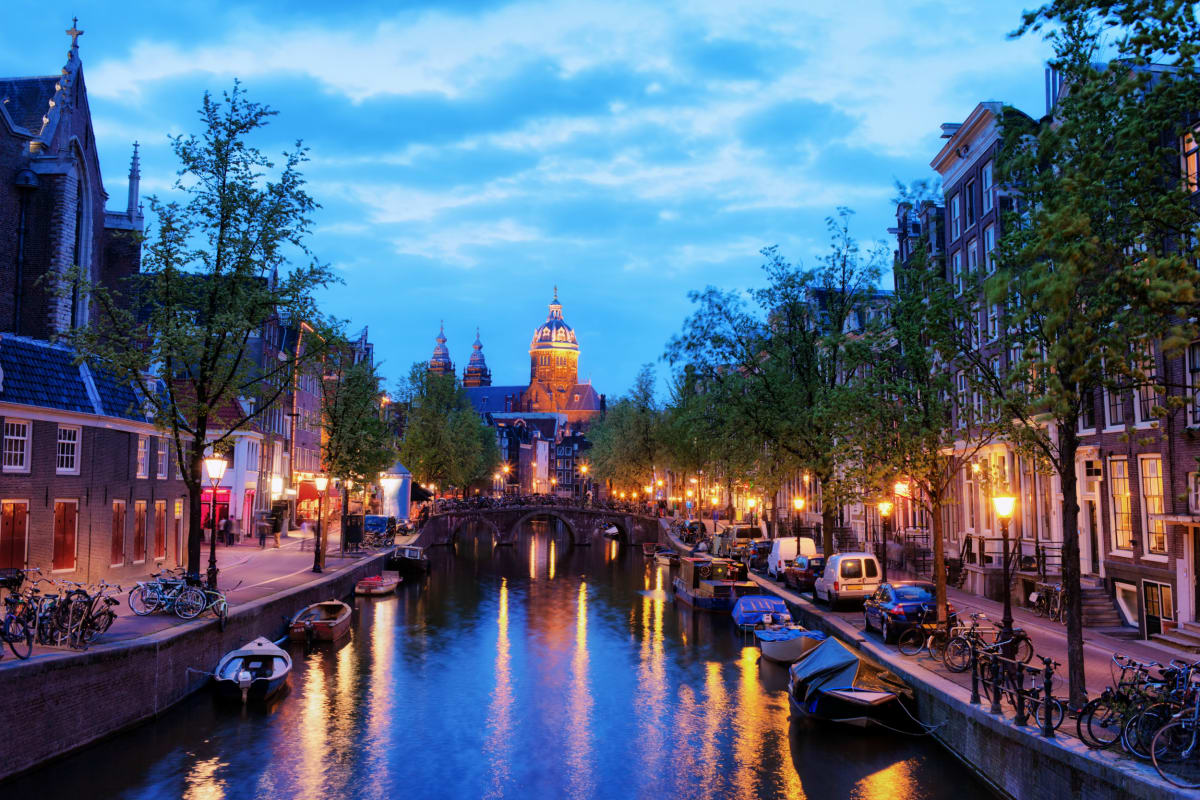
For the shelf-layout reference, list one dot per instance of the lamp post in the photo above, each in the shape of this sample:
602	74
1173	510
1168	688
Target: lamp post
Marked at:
885	511
1004	505
216	470
583	489
319	550
798	507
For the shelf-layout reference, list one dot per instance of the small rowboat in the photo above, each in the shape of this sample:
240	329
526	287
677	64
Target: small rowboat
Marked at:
255	671
325	621
649	549
377	584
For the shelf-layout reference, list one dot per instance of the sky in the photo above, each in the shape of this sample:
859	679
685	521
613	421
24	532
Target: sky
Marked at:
470	156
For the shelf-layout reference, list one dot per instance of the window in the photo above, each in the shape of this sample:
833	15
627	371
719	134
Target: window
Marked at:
1193	368
118	533
1116	408
989	245
1118	473
962	398
1191	162
1015	353
143	457
993	326
67	455
956	267
1152	503
66	513
1159	600
955	218
16	445
1087	412
985	178
1147	390
969	201
1193	482
161	468
973	256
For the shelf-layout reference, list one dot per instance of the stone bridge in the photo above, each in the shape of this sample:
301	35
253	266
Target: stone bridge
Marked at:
584	525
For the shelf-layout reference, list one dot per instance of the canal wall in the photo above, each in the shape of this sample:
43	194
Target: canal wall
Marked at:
1016	762
57	703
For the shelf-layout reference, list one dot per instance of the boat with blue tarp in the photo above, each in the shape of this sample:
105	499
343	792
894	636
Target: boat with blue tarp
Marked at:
757	610
831	682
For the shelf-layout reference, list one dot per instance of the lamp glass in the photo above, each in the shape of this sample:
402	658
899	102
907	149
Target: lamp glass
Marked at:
215	467
798	503
1004	505
322	483
750	503
885	507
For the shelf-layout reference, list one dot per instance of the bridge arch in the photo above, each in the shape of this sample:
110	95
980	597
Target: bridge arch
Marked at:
457	524
548	511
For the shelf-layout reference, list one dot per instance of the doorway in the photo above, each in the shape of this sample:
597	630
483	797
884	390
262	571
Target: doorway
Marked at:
1159	603
1093	539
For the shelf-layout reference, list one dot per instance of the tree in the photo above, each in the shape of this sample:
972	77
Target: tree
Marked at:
445	442
1097	266
626	440
358	445
186	332
781	357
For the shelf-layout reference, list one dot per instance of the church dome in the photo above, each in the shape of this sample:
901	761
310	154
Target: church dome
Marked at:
554	333
440	362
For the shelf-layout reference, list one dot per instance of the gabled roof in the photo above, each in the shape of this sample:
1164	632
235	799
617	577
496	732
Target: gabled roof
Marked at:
490	399
44	375
589	398
27	100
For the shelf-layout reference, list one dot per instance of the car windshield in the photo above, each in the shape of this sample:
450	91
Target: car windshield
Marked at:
817	563
912	593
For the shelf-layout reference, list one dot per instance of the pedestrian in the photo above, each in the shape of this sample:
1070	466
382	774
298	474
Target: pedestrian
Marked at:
263	526
227	531
276	526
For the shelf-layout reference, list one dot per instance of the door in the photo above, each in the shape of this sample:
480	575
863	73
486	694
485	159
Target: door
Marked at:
1196	571
118	533
160	529
139	531
1159	604
178	522
851	575
1093	537
13	528
65	513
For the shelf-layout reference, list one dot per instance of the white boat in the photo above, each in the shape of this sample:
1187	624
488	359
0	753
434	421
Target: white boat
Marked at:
377	585
255	671
786	644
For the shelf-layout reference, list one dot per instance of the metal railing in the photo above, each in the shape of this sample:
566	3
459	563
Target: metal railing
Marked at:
1006	680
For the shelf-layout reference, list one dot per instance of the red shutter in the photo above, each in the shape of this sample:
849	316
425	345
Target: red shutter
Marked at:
118	533
64	535
139	530
9	556
178	541
160	529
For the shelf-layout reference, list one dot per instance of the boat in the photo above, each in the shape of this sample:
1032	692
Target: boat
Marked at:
666	556
758	610
786	644
612	532
710	584
377	584
324	621
255	671
830	682
410	559
649	549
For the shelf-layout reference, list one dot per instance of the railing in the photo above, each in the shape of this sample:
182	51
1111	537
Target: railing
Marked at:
1005	679
1048	557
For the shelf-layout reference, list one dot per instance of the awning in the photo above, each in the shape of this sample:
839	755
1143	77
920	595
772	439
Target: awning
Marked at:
307	490
420	495
1178	519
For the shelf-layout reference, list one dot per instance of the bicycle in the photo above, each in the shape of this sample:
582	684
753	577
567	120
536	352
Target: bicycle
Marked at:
1047	601
957	655
1172	696
927	635
1175	748
996	669
1102	720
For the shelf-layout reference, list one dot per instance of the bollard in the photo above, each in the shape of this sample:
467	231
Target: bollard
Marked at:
1022	712
1047	677
996	673
974	676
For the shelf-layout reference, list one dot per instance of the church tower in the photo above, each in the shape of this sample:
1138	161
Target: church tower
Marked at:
553	361
477	372
440	363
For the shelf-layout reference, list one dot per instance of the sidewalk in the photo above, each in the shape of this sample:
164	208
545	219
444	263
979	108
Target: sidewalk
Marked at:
247	573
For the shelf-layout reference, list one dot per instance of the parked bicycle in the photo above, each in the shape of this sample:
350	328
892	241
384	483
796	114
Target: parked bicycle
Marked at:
957	654
927	635
1003	678
1175	748
1102	719
1047	601
172	591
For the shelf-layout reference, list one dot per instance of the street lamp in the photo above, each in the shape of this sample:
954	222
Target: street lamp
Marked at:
885	510
1004	505
322	483
798	507
216	470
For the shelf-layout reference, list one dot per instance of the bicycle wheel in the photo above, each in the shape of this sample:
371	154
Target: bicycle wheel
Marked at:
1139	730
1099	723
221	609
77	623
912	641
1057	714
957	657
1173	751
1023	651
18	636
190	603
143	600
937	644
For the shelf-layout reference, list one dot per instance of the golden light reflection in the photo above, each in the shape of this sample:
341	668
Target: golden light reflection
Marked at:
533	558
751	723
312	732
895	781
715	715
652	685
579	746
499	724
379	692
553	542
202	781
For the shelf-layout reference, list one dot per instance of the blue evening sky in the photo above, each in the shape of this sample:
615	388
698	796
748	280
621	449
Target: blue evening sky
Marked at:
471	155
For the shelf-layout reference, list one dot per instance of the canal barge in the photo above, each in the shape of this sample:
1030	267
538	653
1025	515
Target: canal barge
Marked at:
711	584
409	559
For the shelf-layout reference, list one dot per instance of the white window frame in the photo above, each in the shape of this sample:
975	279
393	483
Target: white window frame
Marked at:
1192	368
988	187
143	456
1147	553
1109	425
989	246
27	443
1193	485
1140	420
956	268
993	327
969	210
162	465
955	217
1114	546
73	469
972	256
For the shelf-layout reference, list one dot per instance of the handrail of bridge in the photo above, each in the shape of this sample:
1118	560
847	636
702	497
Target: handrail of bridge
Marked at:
471	506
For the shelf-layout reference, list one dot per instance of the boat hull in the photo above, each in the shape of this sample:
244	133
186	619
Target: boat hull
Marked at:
324	628
715	604
787	651
260	689
375	588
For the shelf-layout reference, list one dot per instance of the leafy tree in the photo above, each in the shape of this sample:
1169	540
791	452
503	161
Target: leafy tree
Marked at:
626	441
186	331
1098	266
781	357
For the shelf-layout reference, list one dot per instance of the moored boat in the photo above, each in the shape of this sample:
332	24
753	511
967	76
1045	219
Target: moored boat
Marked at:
786	644
254	671
759	610
324	621
830	682
666	556
410	559
649	549
709	583
377	585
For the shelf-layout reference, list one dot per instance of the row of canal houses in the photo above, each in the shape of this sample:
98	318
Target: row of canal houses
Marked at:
1138	473
89	488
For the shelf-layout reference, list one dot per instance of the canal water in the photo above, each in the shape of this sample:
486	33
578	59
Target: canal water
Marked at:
533	671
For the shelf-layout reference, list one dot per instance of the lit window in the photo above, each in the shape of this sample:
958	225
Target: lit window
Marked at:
1118	473
67	455
143	457
1191	162
161	470
16	445
1152	504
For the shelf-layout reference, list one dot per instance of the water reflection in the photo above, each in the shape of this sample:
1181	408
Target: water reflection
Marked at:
536	670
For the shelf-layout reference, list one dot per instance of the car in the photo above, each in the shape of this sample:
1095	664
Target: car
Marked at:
847	576
734	540
897	606
784	550
802	573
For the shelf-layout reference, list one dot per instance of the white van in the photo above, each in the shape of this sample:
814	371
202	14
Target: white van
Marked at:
784	550
847	576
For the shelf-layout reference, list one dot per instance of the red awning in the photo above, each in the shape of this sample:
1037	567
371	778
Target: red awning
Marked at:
308	491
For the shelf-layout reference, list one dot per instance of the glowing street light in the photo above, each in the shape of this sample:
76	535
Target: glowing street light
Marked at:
885	511
1005	505
322	483
215	466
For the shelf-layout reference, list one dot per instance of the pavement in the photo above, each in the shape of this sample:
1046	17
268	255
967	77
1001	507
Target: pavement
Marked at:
247	573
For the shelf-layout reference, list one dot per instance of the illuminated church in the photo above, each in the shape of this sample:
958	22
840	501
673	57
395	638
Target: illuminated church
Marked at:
554	387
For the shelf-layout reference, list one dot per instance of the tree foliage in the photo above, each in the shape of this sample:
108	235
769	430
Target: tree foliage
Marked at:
626	441
358	445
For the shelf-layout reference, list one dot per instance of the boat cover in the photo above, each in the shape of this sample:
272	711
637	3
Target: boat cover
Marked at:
829	665
787	634
750	608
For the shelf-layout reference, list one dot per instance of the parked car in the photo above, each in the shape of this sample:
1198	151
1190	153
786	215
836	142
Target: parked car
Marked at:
847	576
802	573
897	606
730	542
756	555
784	550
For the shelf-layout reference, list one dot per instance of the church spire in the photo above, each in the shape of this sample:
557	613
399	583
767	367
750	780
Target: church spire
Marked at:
133	206
440	363
477	372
